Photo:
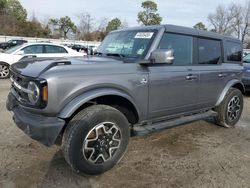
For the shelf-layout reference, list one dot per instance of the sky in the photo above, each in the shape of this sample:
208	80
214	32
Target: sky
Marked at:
178	12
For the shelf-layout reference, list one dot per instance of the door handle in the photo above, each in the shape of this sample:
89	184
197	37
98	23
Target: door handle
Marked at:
144	81
222	75
191	77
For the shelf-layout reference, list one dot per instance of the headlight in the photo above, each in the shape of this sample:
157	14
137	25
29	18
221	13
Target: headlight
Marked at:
34	97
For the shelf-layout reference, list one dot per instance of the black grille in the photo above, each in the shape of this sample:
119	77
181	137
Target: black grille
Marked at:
22	81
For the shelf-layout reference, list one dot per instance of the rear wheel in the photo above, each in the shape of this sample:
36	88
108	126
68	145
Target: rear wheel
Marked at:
230	110
96	139
4	71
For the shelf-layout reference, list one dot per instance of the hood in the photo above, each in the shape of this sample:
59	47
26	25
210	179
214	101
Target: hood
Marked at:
5	57
35	67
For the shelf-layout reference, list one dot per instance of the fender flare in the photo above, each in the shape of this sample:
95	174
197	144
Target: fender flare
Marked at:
70	108
229	85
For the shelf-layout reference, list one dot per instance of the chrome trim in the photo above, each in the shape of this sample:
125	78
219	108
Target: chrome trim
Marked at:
16	85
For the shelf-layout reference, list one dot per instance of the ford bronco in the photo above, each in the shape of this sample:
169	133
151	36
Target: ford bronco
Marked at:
141	80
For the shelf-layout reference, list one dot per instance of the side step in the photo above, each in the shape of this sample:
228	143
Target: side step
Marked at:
139	130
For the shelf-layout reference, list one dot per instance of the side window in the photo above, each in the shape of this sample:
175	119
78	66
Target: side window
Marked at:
54	49
209	51
34	49
182	46
233	51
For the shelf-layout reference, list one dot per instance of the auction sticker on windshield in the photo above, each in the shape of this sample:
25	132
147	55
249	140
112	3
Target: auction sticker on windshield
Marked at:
144	35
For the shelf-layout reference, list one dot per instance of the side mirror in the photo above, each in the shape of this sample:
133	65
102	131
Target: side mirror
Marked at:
20	52
162	56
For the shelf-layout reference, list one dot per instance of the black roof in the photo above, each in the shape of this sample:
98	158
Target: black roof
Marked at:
186	30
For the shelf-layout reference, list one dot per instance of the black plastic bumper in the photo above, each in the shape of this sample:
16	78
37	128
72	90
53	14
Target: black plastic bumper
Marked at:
41	128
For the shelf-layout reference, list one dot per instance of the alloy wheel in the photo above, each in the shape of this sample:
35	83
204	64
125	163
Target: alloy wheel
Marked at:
234	108
102	142
4	71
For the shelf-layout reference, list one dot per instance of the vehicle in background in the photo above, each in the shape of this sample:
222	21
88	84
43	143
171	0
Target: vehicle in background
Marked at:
245	52
31	50
246	73
78	48
11	43
90	50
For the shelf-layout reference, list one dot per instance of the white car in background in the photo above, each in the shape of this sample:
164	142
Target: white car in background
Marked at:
29	50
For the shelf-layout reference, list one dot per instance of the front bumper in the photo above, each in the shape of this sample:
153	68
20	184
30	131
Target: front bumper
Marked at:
41	128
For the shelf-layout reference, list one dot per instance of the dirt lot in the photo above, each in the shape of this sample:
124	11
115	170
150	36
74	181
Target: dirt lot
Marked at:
195	155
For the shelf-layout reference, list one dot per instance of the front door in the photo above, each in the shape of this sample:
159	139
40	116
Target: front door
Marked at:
174	88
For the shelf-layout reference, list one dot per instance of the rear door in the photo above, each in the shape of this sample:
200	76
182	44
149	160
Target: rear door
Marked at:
213	75
174	88
54	51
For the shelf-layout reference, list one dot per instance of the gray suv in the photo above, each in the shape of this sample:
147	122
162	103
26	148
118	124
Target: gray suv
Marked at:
141	80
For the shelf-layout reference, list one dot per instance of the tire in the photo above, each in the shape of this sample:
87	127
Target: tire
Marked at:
85	152
4	70
230	110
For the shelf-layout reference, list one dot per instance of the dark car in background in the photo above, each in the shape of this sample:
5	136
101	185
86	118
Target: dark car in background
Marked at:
80	48
11	43
246	73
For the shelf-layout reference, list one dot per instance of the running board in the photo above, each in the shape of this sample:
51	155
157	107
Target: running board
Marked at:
139	130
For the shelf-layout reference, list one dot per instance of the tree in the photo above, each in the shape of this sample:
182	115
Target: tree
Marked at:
200	26
241	20
149	15
85	26
64	24
221	20
113	25
3	4
15	8
101	29
233	19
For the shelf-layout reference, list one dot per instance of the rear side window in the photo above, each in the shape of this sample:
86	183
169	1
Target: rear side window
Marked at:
182	46
54	49
209	51
34	49
233	51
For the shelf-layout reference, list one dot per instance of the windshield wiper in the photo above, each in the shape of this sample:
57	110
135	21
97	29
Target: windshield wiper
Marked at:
98	53
116	55
110	54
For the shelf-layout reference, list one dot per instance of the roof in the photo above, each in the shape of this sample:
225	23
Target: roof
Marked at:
41	43
185	30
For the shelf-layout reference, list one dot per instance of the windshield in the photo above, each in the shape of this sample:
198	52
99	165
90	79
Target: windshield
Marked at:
13	49
246	59
134	44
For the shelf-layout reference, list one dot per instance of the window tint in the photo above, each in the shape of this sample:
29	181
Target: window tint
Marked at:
181	45
209	51
54	49
234	51
34	49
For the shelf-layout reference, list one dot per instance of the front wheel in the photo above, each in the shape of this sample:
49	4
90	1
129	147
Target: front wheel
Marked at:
4	71
96	139
230	110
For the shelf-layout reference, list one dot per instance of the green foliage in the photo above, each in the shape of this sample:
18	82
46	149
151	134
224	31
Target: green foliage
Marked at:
149	15
113	25
200	26
64	25
15	8
3	4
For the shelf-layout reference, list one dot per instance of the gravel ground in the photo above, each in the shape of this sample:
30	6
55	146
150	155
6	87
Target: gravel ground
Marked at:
199	154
